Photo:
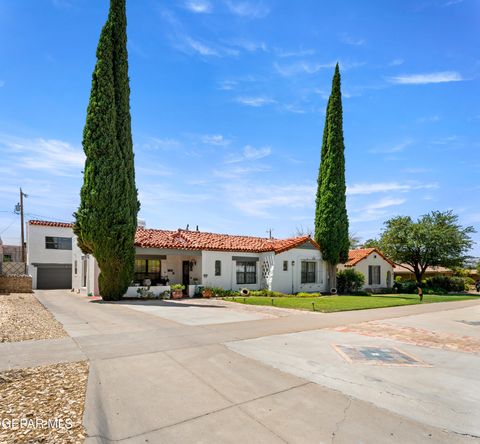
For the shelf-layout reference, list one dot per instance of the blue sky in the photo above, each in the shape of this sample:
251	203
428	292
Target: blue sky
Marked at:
228	105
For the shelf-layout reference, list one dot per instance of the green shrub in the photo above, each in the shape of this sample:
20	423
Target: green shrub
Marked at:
302	294
349	280
405	286
268	293
360	293
446	283
221	293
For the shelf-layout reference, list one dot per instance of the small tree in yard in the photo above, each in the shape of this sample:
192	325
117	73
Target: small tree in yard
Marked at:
331	220
106	219
435	239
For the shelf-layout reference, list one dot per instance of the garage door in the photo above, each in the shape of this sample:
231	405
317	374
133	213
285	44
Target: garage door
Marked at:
51	277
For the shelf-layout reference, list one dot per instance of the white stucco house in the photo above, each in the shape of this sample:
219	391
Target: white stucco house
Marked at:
49	254
372	263
198	259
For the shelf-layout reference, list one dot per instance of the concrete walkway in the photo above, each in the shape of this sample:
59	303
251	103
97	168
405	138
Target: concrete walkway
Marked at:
155	379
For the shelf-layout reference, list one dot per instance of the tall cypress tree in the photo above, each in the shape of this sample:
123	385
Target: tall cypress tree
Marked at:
107	216
331	220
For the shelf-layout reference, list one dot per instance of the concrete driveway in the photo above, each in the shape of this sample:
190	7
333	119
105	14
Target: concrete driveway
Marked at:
157	377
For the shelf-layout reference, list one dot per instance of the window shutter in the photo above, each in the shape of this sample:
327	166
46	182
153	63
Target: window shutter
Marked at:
370	273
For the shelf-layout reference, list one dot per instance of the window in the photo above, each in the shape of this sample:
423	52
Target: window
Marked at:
246	272
75	267
374	275
285	265
148	269
308	272
218	268
58	243
7	258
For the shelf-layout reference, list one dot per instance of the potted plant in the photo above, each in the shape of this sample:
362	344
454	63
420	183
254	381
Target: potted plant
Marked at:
207	292
177	291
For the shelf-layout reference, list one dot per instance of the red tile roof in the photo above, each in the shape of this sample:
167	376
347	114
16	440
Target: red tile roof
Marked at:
198	240
355	256
47	223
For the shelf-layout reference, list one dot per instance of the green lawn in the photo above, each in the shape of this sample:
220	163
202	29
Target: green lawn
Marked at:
328	304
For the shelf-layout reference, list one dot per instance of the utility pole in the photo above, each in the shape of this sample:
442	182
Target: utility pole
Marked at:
19	209
269	231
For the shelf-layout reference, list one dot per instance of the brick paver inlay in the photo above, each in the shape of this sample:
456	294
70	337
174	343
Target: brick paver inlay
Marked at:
412	335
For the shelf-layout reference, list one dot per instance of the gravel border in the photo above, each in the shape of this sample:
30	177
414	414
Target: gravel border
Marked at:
43	404
23	317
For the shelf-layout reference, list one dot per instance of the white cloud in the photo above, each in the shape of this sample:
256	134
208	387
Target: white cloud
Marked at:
159	170
424	79
349	40
182	41
397	62
428	119
308	67
258	200
251	153
198	6
227	85
236	172
250	45
301	67
416	170
300	53
293	108
383	187
55	156
446	140
392	149
453	2
156	143
255	101
385	203
375	211
247	9
214	139
200	48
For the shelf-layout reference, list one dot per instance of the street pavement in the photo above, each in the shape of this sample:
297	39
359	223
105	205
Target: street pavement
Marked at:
221	374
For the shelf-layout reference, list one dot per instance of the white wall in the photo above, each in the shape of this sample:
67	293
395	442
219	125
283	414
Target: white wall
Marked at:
228	278
290	281
282	280
92	271
373	259
37	253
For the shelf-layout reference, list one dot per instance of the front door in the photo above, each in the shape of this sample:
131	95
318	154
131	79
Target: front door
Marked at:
186	275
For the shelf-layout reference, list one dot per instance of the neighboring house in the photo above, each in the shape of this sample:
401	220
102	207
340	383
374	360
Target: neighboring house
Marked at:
12	253
198	259
375	267
49	254
405	272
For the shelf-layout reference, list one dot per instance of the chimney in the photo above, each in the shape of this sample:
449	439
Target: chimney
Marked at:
188	227
197	228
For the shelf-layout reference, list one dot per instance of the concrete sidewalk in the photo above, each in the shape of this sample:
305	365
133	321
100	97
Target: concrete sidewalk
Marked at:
156	380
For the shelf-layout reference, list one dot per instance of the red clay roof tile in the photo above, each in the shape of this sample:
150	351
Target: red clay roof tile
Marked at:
355	256
47	223
198	240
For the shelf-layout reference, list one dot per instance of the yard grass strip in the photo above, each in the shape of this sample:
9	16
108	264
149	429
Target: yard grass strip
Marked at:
329	304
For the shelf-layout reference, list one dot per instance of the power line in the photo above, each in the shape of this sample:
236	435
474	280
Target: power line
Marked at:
5	229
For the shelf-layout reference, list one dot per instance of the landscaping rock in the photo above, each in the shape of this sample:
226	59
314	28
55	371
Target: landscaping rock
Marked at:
43	404
23	317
